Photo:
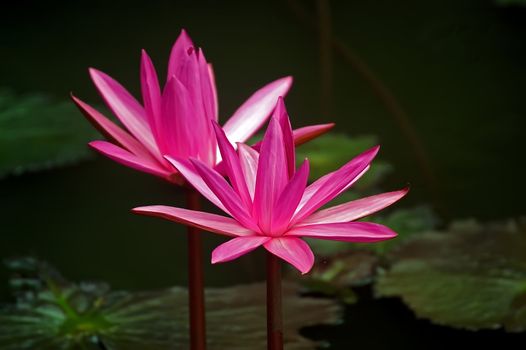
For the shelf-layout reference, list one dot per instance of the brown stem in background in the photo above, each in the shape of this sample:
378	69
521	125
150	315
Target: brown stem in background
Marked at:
325	34
385	95
274	311
195	279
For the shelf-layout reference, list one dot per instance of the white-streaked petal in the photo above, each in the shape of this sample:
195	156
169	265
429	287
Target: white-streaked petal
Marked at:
356	209
206	221
255	111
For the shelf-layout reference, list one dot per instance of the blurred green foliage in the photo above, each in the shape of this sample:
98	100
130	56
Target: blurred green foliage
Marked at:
38	133
53	313
471	276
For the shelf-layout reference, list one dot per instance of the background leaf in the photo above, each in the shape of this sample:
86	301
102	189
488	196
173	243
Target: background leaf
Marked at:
346	265
38	133
472	276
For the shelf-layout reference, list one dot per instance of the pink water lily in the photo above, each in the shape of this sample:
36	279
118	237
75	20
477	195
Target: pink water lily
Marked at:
270	203
175	121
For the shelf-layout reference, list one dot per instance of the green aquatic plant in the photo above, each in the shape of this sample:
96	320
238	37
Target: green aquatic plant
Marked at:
51	312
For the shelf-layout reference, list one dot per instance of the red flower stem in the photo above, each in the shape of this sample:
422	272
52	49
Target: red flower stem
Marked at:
274	312
195	279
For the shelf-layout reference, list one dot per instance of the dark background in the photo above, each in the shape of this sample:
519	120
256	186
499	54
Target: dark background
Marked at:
455	69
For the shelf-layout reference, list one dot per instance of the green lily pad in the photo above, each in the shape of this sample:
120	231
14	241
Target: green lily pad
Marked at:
38	133
345	265
473	276
52	313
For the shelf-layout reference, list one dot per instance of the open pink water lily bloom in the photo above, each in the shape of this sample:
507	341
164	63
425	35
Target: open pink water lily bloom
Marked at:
176	120
270	203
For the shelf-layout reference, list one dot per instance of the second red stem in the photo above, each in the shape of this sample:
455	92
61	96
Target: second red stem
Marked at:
195	280
274	311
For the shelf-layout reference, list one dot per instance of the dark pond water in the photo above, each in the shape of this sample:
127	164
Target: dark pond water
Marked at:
456	67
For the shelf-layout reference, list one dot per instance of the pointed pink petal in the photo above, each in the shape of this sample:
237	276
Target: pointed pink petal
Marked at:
334	183
272	175
353	181
236	247
358	232
193	113
188	74
226	195
220	166
249	159
186	128
293	250
205	221
356	209
176	128
190	174
255	111
129	159
305	134
214	90
208	89
126	108
109	129
178	54
289	199
151	94
233	166
281	115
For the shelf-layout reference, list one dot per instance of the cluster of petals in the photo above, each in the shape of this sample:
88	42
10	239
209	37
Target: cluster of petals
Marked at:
176	121
269	202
